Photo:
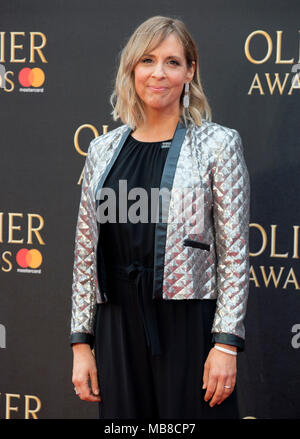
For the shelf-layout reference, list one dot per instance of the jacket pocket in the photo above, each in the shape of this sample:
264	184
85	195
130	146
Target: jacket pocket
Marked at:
197	244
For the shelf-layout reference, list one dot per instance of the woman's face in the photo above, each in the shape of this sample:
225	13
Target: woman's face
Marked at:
160	75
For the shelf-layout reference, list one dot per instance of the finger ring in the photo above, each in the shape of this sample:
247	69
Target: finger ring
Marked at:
227	387
75	390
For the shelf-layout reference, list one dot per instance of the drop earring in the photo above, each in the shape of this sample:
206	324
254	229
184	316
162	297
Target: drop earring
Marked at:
186	98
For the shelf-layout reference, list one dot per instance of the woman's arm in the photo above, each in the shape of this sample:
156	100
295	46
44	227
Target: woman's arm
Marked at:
84	376
231	210
83	286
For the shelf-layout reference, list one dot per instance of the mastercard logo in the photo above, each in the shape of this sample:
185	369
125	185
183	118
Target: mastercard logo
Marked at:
29	258
31	77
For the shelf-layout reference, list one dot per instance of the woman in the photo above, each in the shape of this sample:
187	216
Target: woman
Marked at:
162	302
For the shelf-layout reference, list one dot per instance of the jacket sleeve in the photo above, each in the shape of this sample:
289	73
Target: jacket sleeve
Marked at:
83	285
231	210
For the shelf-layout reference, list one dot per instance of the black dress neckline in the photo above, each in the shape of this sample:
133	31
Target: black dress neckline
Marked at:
139	141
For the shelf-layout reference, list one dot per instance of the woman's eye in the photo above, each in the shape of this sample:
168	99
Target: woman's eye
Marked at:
148	59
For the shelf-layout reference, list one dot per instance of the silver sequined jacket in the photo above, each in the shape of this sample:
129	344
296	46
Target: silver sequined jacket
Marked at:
204	255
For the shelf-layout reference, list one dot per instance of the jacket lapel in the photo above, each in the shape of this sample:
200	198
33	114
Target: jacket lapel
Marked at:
109	166
166	182
161	227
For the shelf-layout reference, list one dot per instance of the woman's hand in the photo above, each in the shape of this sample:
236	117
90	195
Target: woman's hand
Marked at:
219	371
84	368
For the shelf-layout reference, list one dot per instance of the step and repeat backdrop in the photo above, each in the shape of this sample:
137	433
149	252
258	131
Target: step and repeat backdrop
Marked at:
58	62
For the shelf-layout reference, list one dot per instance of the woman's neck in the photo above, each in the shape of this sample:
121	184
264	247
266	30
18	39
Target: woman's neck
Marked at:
156	131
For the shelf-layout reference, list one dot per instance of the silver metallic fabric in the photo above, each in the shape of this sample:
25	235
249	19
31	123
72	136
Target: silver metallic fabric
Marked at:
211	159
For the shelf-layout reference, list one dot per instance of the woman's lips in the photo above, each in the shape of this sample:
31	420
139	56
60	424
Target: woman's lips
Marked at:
158	89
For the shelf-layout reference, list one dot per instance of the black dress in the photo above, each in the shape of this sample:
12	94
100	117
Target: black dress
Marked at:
149	353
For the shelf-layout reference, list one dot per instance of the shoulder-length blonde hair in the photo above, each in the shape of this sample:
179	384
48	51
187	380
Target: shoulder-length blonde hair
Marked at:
125	101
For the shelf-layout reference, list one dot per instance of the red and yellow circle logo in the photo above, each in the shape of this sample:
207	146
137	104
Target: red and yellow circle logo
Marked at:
31	77
29	258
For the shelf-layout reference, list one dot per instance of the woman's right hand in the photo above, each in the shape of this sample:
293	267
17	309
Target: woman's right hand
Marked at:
84	369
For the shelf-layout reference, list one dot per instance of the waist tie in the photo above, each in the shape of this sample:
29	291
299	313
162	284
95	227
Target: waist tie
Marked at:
135	271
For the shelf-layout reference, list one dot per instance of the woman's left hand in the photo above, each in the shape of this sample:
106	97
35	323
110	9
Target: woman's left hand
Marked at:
219	371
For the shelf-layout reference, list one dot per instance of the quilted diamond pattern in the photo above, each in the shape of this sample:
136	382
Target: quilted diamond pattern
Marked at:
216	200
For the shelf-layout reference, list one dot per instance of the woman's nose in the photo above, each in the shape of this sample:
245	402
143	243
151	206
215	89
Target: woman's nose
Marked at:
158	70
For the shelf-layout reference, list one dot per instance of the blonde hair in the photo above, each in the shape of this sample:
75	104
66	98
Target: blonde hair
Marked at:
125	101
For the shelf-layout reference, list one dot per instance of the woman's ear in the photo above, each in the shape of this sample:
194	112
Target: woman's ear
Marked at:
191	72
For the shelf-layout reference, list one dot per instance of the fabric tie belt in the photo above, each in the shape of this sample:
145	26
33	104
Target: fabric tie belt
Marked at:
135	271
